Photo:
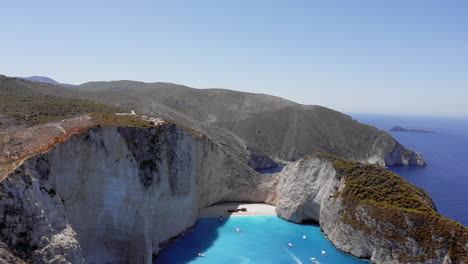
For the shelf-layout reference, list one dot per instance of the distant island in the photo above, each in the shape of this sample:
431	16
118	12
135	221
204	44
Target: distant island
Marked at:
401	129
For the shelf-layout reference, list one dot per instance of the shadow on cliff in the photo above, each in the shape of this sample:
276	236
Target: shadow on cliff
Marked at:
197	240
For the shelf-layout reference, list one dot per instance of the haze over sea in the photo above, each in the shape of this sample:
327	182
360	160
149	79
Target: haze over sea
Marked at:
446	152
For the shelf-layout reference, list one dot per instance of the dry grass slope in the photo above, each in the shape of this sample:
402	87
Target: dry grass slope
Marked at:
31	110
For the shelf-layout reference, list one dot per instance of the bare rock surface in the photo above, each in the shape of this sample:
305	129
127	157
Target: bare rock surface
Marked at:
35	224
115	194
314	188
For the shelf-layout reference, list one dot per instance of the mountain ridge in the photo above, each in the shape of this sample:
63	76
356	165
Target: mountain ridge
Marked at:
279	128
45	79
64	173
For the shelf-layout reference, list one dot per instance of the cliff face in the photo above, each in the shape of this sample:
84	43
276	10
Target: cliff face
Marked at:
401	156
114	194
362	213
34	224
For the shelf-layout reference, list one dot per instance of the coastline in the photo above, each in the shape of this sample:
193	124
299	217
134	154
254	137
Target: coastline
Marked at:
253	209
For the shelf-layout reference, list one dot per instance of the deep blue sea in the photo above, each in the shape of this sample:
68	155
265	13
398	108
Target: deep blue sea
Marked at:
262	240
446	152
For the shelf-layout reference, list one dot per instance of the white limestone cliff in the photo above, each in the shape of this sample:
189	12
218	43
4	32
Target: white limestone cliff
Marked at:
115	194
119	192
309	190
402	156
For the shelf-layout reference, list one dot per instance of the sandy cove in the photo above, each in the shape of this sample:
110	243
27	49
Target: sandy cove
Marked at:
253	209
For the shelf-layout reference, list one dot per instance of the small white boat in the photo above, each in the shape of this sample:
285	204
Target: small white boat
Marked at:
304	237
314	259
201	254
323	252
238	230
290	244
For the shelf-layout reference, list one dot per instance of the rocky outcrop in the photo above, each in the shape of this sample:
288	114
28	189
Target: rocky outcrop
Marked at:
402	156
34	222
18	146
387	152
115	194
260	161
369	212
6	257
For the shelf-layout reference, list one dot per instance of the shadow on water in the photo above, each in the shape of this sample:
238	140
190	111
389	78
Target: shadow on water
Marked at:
272	170
197	243
311	222
198	239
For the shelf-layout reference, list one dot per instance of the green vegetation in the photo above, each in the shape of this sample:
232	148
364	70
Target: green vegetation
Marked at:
373	184
275	126
32	110
401	209
110	119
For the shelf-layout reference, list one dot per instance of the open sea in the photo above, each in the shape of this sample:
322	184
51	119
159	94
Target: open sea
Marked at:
264	239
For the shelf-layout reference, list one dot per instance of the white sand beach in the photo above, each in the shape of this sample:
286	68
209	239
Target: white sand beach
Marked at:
252	210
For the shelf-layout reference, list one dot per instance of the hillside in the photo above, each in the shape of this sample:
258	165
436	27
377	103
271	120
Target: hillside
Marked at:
369	212
266	125
35	116
24	104
65	160
280	128
46	80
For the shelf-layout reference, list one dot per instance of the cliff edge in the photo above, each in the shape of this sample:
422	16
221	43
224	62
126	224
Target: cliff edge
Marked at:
369	212
114	194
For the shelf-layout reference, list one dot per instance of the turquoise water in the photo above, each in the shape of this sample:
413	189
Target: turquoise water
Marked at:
262	240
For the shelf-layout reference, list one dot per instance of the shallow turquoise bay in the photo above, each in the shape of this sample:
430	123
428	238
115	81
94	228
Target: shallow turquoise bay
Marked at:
263	239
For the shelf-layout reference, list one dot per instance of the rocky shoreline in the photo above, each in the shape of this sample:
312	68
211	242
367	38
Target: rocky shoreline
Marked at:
116	193
252	209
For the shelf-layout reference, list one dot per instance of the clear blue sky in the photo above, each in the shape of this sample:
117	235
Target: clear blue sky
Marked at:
395	56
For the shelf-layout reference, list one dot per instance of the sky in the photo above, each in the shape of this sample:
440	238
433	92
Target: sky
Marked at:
395	57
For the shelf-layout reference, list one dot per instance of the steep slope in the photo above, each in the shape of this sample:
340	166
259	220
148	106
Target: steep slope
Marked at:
123	191
116	193
280	128
24	103
369	212
269	125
